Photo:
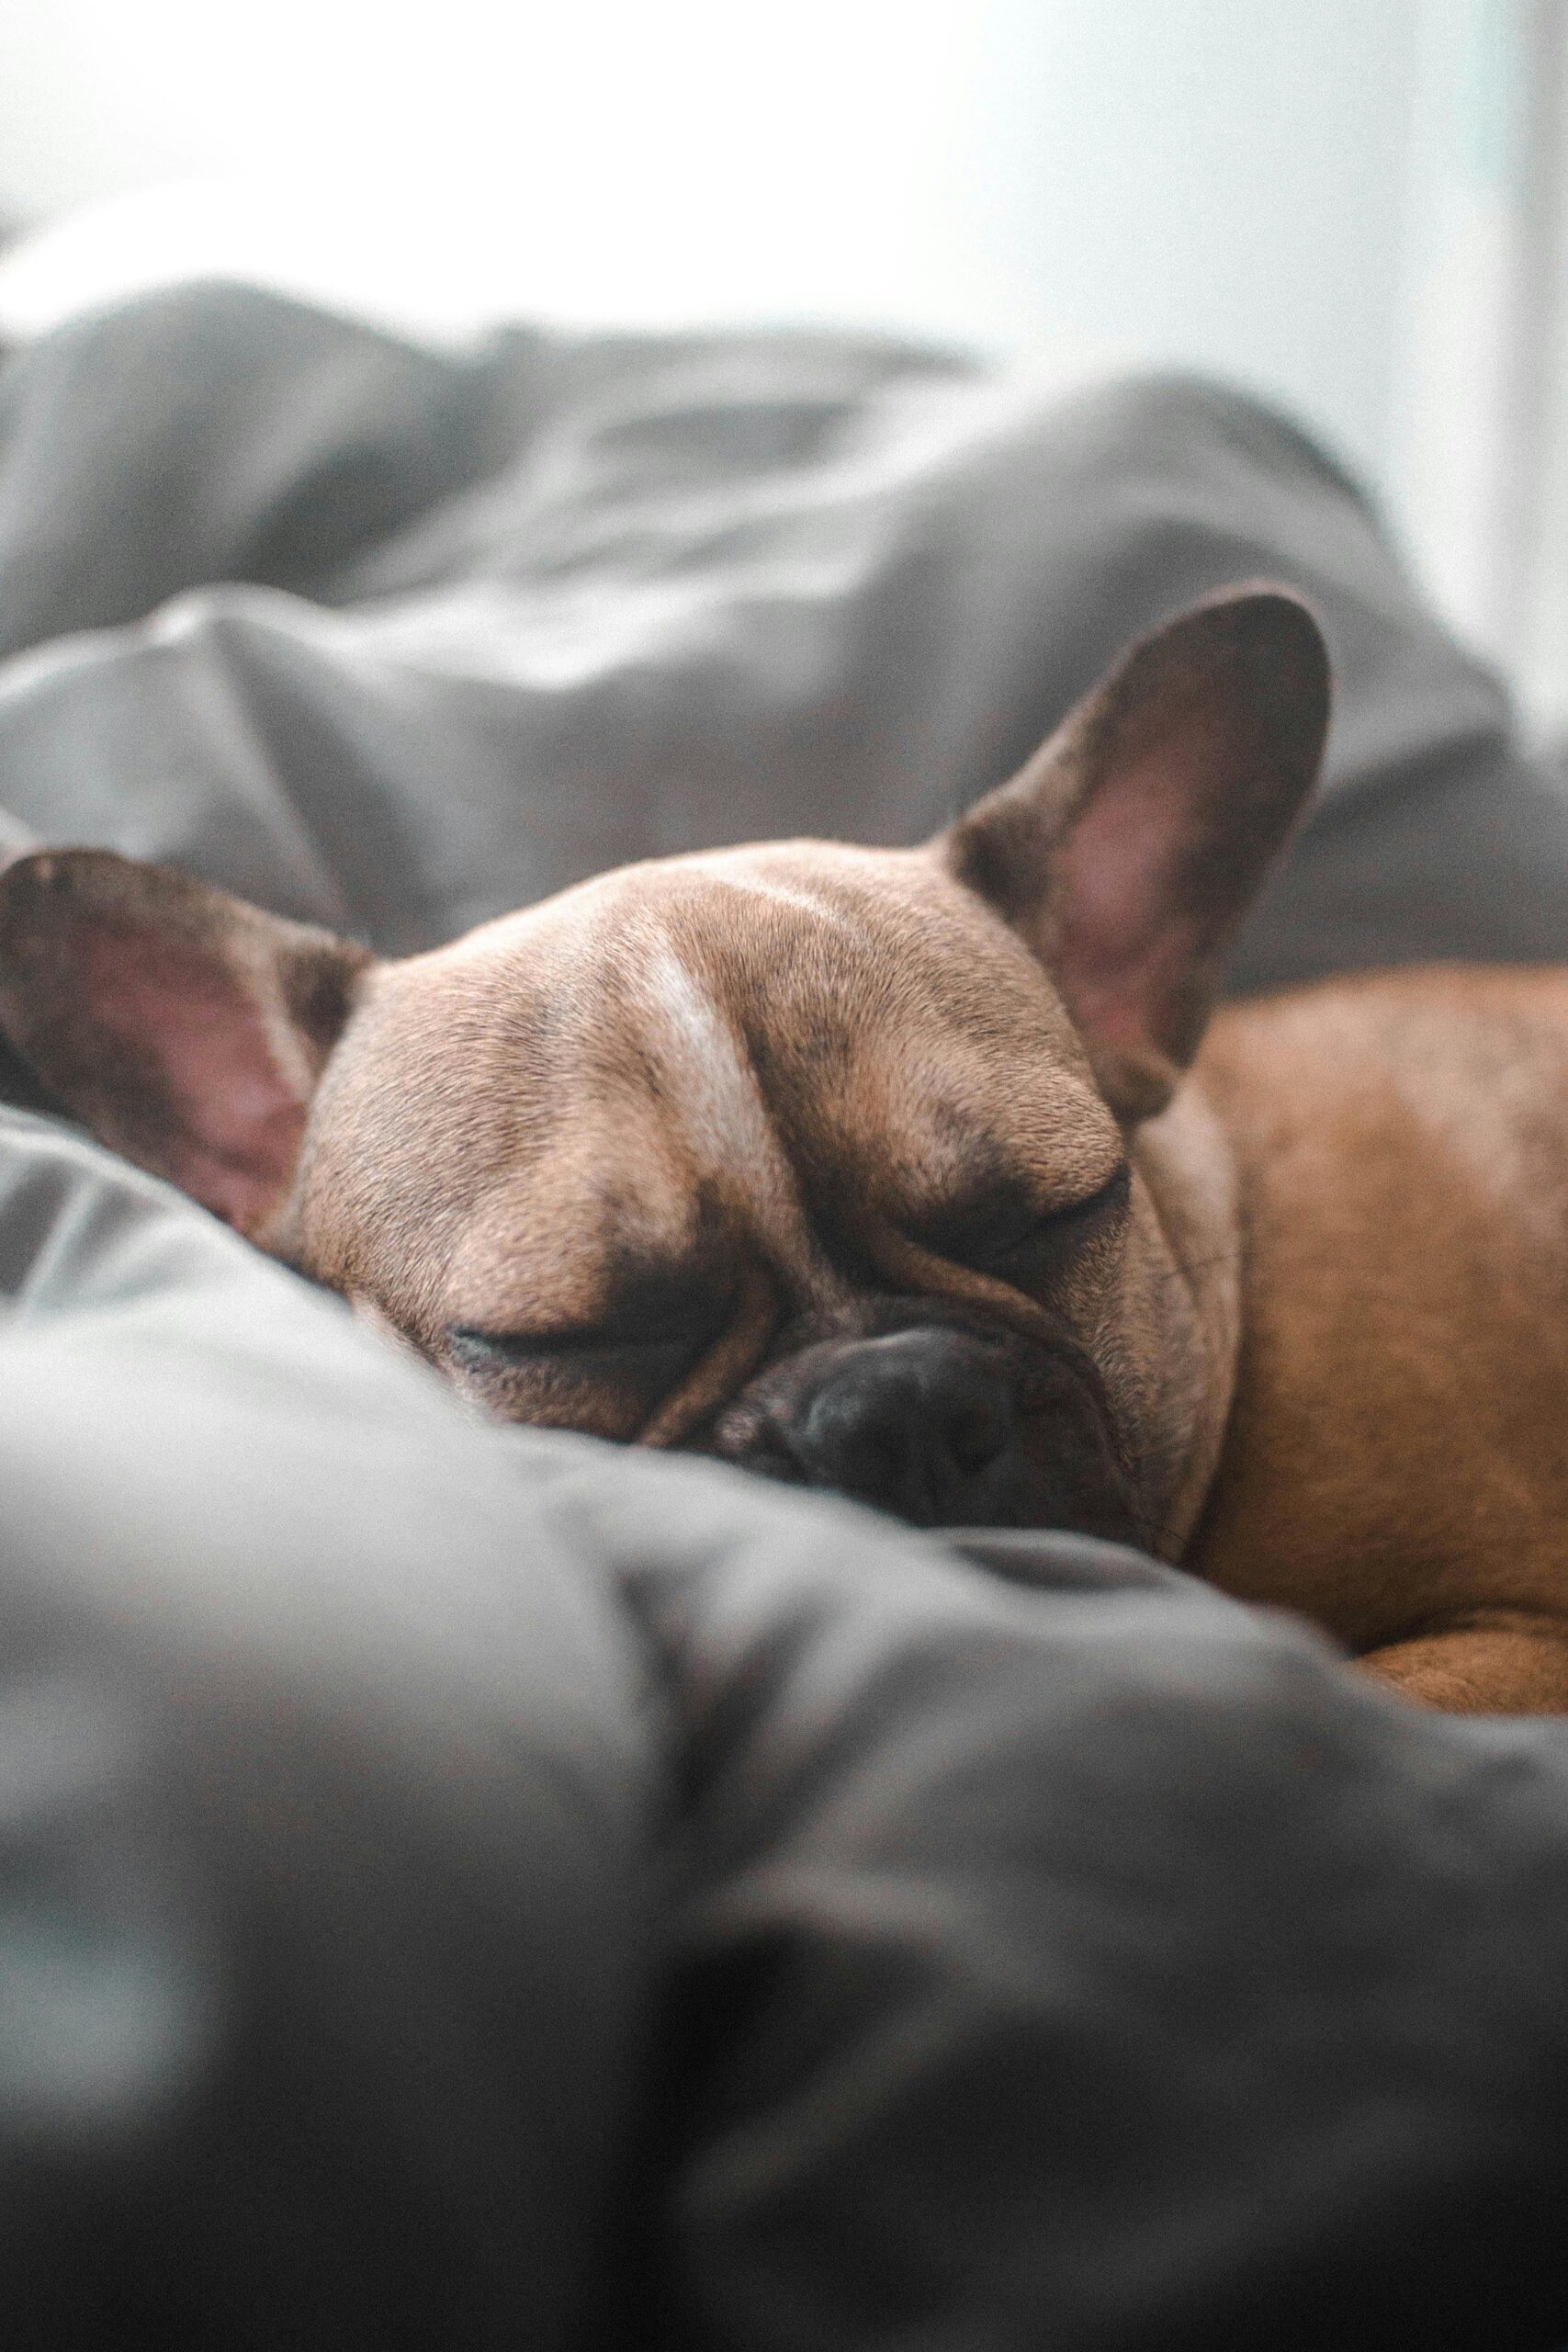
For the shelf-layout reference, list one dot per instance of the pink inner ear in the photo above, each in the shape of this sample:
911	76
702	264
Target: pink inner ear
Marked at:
223	1114
1125	941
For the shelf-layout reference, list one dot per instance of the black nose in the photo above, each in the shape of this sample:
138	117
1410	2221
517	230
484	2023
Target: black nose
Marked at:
920	1423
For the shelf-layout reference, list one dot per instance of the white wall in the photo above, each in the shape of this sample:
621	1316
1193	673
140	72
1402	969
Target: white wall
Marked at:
1211	180
1223	180
1479	434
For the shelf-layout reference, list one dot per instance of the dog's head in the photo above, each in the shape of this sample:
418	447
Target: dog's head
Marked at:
846	1164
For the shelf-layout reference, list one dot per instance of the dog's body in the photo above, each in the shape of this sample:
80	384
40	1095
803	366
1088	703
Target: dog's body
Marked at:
877	1169
1397	1453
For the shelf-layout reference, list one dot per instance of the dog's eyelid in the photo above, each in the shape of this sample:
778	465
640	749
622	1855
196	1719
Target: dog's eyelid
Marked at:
664	1317
986	1227
1114	1193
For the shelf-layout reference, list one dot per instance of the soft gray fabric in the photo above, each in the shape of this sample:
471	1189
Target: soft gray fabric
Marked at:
327	1780
483	626
836	1946
1099	1973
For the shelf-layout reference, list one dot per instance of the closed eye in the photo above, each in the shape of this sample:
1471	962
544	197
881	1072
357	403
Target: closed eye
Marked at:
595	1381
652	1336
1004	1236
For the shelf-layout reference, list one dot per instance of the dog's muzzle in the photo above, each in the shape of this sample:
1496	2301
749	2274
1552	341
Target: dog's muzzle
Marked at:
941	1426
922	1423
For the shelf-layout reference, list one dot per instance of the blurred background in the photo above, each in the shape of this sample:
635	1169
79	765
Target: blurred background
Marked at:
1359	207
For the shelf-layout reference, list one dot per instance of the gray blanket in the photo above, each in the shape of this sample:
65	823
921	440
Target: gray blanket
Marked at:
459	1885
398	641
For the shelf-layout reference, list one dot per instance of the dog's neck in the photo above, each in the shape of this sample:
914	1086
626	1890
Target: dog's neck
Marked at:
1186	1162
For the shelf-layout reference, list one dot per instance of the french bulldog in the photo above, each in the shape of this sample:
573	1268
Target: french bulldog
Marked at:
923	1174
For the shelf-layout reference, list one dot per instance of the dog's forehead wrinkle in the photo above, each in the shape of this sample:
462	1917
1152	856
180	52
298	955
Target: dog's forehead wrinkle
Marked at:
554	1236
958	1120
716	1099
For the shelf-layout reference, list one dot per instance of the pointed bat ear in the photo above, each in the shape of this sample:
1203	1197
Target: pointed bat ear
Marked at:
185	1028
1129	849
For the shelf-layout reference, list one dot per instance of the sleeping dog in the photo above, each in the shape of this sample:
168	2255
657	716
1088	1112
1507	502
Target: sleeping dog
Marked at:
922	1174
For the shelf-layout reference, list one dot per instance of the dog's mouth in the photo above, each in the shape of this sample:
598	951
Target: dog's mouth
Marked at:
944	1426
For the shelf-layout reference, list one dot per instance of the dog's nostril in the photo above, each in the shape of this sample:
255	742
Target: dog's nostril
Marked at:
976	1435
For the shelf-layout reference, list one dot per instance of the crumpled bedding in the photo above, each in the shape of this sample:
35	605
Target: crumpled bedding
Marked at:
463	1883
396	640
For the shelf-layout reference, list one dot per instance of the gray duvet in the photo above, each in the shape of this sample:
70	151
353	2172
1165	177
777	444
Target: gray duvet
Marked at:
459	1886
